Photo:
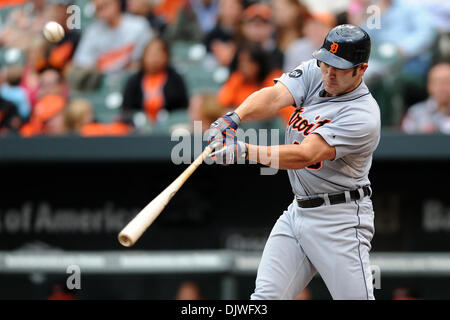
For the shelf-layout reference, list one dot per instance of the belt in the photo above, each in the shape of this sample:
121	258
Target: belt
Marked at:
334	198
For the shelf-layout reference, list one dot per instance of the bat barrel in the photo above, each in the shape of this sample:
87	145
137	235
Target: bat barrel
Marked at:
136	227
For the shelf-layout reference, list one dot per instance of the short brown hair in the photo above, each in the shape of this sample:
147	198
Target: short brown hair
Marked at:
14	75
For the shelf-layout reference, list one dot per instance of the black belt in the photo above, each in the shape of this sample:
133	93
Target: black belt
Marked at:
334	198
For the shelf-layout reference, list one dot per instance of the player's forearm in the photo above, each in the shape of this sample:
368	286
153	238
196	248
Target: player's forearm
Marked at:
259	105
281	156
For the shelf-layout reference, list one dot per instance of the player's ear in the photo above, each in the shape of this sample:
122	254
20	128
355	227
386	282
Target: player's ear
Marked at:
363	67
360	69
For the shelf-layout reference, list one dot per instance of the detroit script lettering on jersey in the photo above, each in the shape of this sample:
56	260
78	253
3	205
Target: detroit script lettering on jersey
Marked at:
303	125
349	122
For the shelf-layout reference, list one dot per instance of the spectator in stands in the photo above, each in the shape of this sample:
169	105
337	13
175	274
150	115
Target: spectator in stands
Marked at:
78	114
257	27
23	24
290	17
317	27
157	86
253	73
195	18
206	12
10	121
58	55
186	27
51	98
34	65
188	290
115	41
204	107
52	82
403	293
356	12
11	3
60	292
169	9
404	25
222	39
96	129
79	119
432	115
440	13
14	93
144	8
47	117
403	41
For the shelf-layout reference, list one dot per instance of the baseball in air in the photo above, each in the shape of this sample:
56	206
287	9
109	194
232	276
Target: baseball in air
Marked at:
53	31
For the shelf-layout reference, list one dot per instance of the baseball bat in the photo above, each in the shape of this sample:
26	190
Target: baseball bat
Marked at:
136	227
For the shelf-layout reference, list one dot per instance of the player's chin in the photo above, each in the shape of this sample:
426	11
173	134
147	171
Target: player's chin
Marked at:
332	89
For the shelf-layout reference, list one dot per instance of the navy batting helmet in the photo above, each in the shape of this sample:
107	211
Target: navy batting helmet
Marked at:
344	47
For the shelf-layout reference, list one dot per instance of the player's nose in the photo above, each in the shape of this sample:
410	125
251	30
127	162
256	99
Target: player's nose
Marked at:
331	71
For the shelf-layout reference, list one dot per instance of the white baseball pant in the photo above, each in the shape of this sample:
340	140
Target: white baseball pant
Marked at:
333	240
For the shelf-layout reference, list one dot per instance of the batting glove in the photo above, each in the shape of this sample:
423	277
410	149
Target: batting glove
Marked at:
229	151
225	126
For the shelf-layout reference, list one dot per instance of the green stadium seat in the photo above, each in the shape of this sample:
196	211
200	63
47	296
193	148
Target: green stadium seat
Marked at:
4	13
189	60
9	56
106	105
176	118
87	13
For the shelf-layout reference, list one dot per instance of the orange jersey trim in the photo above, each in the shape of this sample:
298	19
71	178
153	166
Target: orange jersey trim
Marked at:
154	100
114	58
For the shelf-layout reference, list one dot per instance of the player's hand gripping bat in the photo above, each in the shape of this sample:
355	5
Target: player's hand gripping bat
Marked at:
136	227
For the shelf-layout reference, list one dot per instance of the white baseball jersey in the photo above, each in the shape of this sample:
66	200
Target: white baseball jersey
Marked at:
349	122
332	240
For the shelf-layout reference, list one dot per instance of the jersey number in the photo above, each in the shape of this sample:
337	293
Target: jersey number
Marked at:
314	166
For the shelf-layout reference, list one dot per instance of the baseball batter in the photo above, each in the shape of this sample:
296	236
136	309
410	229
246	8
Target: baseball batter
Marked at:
328	150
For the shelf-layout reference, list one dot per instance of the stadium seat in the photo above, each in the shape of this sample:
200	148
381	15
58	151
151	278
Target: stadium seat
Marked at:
175	119
9	56
189	59
4	13
87	13
106	105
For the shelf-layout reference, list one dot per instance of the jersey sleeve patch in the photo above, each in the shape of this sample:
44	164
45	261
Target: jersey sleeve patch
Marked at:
295	73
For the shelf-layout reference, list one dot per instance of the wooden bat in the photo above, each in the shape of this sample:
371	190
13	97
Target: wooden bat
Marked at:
136	227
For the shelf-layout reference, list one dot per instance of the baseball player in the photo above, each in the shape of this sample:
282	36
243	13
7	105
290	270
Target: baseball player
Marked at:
329	142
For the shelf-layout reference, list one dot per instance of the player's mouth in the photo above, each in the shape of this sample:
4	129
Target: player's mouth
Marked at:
331	83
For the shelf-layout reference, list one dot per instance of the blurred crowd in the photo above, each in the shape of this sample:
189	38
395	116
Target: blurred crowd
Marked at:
149	66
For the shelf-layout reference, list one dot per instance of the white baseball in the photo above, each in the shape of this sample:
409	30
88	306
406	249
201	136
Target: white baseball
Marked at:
53	31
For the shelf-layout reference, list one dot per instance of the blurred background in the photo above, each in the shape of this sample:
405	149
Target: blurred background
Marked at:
85	143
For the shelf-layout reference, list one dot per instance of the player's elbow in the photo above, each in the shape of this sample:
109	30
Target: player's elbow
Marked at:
308	156
304	162
296	160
